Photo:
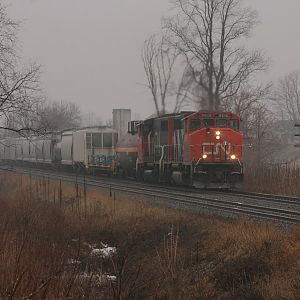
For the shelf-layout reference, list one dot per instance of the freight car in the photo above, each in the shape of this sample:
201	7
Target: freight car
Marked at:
88	149
201	149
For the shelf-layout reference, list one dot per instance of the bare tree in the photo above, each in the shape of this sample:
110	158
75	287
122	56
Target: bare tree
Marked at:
19	86
261	134
287	96
159	62
91	119
248	97
207	33
60	116
185	90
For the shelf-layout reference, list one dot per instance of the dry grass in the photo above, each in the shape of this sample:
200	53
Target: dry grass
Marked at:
282	179
161	253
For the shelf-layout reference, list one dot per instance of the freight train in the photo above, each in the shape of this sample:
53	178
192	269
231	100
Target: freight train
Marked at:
201	149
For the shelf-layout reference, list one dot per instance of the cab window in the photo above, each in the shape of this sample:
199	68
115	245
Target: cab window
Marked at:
234	124
208	122
221	123
178	124
195	124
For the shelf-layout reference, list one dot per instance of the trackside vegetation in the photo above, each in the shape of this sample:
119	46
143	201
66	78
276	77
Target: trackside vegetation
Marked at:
62	241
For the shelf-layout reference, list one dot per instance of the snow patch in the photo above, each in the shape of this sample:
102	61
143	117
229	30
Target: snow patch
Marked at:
104	252
97	279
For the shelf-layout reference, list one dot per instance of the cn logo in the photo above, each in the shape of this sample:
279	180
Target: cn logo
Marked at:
216	149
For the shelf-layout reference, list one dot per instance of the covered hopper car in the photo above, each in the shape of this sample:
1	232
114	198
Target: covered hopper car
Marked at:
91	149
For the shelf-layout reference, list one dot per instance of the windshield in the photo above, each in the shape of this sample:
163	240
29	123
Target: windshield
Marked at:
221	123
195	124
208	122
234	124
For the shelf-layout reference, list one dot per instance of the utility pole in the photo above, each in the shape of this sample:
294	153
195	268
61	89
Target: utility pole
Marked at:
297	135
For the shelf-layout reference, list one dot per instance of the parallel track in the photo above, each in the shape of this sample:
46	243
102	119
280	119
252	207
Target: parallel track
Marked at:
271	207
265	197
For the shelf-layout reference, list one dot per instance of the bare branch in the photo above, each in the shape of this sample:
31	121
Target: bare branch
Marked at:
159	60
287	96
207	33
20	92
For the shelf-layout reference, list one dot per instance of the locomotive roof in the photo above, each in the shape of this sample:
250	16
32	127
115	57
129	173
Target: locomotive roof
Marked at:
181	114
212	113
185	114
92	128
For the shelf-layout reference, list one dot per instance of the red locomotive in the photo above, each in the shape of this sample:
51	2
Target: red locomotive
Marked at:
200	149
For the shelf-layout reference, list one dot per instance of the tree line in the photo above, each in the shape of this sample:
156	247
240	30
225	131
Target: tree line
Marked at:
24	109
201	59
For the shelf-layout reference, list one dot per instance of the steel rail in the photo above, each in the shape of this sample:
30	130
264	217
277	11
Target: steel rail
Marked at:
247	195
266	212
260	196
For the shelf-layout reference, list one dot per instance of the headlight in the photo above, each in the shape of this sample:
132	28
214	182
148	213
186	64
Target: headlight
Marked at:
218	133
204	156
218	137
233	157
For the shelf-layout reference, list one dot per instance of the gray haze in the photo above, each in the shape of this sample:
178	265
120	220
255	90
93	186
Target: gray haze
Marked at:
90	49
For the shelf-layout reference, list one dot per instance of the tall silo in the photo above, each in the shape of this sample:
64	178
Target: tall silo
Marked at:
121	117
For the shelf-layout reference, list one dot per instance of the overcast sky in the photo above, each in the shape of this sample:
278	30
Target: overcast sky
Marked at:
90	49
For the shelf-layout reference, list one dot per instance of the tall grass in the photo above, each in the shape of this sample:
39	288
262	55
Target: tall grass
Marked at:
273	178
50	232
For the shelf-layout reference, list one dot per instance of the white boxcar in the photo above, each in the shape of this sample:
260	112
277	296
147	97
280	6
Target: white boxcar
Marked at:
94	147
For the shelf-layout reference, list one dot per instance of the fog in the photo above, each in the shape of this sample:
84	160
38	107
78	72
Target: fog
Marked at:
90	49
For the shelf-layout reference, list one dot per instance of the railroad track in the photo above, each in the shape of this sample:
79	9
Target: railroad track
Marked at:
261	206
261	196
